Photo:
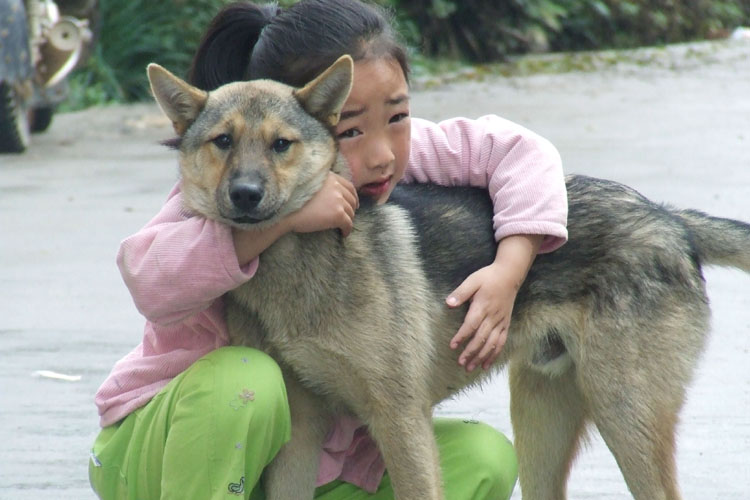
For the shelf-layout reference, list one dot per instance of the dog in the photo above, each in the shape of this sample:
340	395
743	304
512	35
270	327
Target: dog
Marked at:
605	330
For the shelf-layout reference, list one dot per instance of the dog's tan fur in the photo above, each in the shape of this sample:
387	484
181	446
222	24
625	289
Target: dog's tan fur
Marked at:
607	330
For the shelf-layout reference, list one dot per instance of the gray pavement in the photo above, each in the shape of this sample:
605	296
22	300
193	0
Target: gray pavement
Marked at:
674	124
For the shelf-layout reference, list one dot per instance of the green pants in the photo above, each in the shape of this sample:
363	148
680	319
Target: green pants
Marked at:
213	429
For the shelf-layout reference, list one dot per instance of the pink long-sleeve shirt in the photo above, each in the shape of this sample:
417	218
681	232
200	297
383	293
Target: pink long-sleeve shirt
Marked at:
179	265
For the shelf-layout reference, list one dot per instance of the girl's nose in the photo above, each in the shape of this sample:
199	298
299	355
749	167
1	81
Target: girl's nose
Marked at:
380	155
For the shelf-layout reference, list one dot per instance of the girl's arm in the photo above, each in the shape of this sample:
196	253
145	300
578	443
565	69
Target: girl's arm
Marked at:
523	174
521	170
179	263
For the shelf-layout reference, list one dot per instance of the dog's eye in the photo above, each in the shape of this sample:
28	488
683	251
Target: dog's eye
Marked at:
223	141
281	145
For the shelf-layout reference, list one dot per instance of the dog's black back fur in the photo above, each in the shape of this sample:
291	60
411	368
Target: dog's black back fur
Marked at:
450	252
618	239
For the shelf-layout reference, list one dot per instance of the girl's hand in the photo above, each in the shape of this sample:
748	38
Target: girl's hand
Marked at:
331	207
492	291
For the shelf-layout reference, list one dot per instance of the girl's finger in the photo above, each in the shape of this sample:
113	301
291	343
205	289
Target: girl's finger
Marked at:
468	357
353	192
464	292
349	209
346	226
350	196
471	323
487	338
350	191
501	335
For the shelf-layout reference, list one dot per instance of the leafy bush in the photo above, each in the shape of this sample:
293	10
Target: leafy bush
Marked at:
631	23
479	30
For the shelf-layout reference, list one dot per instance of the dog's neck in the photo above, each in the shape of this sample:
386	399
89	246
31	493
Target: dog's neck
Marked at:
290	270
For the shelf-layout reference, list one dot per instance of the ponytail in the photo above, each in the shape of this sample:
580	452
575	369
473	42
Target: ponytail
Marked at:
224	52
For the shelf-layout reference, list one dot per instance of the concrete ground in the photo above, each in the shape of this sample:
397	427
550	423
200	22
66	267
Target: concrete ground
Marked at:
674	123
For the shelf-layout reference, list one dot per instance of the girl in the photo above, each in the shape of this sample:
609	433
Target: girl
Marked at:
183	415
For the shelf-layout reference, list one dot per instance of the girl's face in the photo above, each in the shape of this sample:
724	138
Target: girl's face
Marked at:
374	130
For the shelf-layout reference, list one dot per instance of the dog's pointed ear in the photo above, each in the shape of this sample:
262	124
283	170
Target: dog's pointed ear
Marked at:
325	96
179	100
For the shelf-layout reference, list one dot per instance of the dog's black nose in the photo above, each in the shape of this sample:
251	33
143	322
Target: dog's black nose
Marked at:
246	196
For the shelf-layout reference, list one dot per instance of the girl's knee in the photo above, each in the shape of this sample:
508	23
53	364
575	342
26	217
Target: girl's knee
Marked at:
238	376
237	364
240	396
494	460
483	458
246	359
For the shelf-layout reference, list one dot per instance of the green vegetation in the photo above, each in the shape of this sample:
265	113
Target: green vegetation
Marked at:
133	33
483	31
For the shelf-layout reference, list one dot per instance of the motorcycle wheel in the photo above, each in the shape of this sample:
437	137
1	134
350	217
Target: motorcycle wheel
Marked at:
41	118
14	122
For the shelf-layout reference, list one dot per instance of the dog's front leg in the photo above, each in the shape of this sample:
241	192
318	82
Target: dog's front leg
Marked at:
407	442
292	473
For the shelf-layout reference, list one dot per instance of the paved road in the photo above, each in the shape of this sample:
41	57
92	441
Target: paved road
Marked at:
673	123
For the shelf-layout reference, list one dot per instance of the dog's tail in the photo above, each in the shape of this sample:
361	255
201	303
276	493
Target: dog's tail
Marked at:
719	241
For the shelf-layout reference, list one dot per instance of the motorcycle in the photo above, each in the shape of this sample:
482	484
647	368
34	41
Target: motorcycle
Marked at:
41	42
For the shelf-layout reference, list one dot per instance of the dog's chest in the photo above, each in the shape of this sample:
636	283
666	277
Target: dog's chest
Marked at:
292	290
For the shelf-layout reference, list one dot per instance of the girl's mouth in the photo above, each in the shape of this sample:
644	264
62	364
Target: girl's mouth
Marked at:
375	189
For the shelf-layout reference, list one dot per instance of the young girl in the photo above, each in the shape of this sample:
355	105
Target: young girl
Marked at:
185	416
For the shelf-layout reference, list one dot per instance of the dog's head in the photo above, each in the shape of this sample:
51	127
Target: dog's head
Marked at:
253	152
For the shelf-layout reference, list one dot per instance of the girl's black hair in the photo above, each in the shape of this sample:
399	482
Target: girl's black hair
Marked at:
247	41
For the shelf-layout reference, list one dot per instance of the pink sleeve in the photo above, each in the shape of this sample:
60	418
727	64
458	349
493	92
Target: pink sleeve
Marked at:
521	170
178	264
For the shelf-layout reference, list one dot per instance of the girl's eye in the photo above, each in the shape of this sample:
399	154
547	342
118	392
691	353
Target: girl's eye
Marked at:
223	141
398	117
280	145
349	133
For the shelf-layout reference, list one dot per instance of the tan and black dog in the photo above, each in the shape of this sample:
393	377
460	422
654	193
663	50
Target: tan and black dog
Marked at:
606	330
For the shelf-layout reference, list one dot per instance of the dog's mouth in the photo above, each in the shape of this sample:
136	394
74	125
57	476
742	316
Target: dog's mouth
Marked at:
246	219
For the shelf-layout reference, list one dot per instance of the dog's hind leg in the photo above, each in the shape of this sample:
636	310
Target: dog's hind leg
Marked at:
548	416
407	441
647	462
635	381
293	471
636	417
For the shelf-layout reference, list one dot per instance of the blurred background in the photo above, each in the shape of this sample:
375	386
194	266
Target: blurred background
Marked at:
441	33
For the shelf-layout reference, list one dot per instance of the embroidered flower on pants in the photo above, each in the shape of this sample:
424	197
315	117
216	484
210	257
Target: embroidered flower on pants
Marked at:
243	398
